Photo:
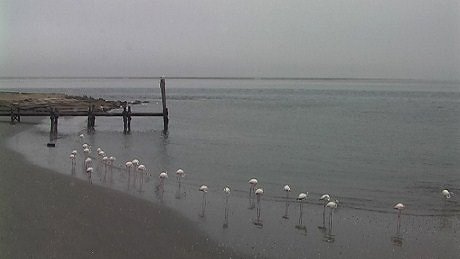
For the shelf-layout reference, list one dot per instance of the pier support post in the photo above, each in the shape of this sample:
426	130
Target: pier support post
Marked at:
163	101
124	114
129	119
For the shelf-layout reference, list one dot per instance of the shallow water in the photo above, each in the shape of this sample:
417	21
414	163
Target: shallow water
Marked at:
370	148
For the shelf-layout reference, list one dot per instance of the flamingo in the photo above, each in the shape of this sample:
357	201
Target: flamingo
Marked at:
85	146
141	169
325	198
72	158
446	194
128	165
136	163
161	186
287	189
227	195
88	162
399	207
89	171
179	174
81	137
74	152
252	185
204	190
302	196
252	182
259	192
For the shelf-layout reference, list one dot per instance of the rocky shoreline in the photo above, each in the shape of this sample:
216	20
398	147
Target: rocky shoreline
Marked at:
45	100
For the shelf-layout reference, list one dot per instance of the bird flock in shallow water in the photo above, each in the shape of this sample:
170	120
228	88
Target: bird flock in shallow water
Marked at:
134	169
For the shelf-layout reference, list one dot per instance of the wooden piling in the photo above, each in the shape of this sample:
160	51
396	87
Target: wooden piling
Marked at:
163	101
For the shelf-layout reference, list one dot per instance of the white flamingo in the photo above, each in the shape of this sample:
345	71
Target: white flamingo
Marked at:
302	197
204	190
129	165
179	175
136	163
287	190
399	207
446	194
252	186
88	162
227	195
89	171
325	198
74	152
161	186
105	161
259	192
141	169
332	205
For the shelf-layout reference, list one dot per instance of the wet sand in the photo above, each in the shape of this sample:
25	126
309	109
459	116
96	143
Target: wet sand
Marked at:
44	214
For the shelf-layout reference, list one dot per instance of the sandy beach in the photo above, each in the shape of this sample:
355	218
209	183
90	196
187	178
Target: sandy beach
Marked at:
49	215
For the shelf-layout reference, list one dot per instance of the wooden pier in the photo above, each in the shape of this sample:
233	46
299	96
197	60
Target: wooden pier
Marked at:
16	112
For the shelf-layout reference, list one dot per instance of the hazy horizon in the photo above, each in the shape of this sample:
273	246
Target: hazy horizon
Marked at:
415	40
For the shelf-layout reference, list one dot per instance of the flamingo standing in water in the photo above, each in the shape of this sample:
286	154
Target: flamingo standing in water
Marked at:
325	198
72	158
88	162
204	190
286	189
141	169
179	175
252	186
161	186
259	192
227	195
135	165
129	165
399	207
302	197
89	171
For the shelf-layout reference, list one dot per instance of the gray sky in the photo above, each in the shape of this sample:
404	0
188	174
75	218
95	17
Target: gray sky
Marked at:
386	39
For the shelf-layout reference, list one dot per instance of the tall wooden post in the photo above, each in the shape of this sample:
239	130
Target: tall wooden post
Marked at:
163	101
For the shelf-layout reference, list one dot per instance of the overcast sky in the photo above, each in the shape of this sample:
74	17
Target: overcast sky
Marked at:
385	39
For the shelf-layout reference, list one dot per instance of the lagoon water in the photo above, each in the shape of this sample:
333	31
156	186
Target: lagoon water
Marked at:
368	144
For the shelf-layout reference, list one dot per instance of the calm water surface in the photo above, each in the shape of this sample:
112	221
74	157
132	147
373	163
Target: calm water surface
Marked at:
367	145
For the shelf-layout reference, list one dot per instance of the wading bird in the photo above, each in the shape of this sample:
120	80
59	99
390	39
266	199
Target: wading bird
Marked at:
399	207
302	197
259	192
446	194
179	175
325	198
204	190
89	171
286	189
252	186
227	195
141	169
332	205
